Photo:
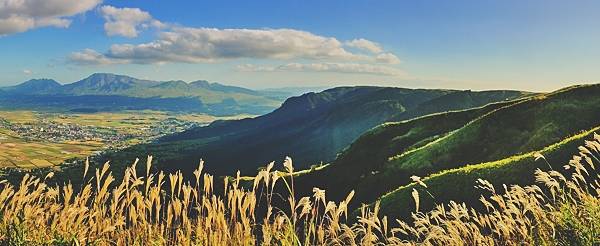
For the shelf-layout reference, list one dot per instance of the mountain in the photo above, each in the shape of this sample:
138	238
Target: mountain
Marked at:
296	91
223	88
103	83
275	95
174	86
384	158
311	128
115	90
208	93
34	86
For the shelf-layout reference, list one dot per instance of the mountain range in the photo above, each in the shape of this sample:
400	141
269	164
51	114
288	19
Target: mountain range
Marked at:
119	91
311	128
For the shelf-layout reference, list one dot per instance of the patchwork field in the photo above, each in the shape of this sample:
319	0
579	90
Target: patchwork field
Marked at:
32	139
15	152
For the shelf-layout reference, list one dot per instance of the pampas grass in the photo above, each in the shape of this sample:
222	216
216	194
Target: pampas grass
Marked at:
165	209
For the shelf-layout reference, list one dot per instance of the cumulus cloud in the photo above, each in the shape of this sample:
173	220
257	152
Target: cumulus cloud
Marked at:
351	68
92	58
125	21
25	71
365	45
211	45
20	16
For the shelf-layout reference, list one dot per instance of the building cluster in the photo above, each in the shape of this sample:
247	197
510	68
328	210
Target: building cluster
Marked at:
49	131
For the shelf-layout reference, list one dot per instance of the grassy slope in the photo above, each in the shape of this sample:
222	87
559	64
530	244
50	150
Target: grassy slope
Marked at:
518	128
373	149
459	184
460	100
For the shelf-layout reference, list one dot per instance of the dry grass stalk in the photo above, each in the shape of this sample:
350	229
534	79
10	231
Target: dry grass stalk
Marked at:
142	211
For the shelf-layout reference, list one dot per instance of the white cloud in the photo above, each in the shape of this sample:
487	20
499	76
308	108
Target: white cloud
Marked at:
252	68
387	58
210	45
25	71
15	23
21	15
158	24
125	21
351	68
92	58
56	22
365	45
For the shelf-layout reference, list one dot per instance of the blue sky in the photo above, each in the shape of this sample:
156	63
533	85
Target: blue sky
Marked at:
478	45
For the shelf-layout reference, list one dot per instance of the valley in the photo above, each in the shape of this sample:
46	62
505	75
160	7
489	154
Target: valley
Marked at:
36	139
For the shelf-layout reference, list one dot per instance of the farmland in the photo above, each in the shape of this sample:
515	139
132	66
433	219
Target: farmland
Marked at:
36	139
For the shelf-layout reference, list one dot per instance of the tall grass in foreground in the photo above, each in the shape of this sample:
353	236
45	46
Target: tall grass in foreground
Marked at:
166	210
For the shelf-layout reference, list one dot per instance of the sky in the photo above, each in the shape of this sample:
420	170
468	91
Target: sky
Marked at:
478	45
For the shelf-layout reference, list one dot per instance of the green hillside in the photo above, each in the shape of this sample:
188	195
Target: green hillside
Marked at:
460	100
520	128
459	184
386	157
369	153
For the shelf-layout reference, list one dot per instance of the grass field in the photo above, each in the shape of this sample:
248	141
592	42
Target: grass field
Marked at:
15	151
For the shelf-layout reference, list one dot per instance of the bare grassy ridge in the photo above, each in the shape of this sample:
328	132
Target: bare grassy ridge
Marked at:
162	210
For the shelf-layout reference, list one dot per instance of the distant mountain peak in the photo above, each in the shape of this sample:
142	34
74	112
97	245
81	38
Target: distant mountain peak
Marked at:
174	85
35	86
202	84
